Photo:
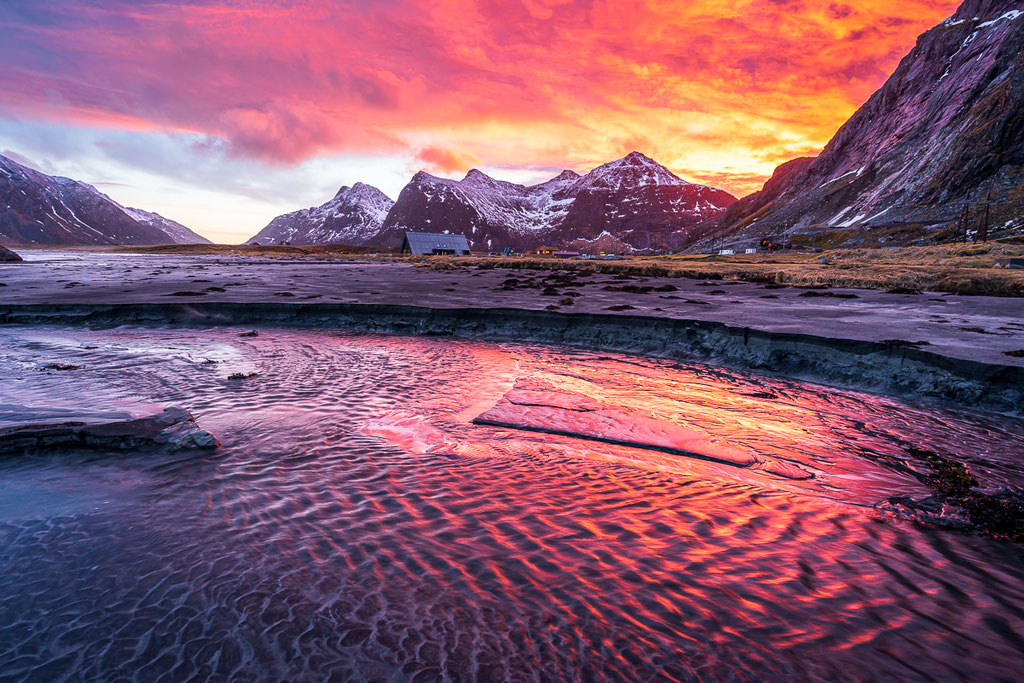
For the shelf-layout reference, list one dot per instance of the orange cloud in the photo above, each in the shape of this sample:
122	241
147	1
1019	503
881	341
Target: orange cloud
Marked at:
445	161
722	91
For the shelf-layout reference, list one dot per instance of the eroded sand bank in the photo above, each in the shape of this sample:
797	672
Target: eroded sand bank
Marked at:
941	346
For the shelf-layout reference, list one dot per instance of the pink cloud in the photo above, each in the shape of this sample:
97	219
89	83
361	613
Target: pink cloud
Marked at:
538	83
445	161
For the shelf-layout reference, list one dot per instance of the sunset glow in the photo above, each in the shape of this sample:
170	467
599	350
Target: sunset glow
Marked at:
719	93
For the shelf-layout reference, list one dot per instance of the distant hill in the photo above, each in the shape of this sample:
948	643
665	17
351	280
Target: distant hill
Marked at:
175	230
36	208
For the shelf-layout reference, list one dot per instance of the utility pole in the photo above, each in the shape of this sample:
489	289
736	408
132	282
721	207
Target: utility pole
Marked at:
983	232
961	223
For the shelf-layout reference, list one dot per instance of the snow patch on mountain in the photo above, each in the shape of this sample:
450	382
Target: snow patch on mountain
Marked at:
354	215
178	233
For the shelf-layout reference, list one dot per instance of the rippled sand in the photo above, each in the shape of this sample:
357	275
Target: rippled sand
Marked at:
357	524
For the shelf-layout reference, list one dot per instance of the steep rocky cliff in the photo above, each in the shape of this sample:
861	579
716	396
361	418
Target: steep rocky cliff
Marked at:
945	129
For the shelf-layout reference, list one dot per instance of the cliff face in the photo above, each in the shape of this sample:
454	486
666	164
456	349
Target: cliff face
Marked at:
946	128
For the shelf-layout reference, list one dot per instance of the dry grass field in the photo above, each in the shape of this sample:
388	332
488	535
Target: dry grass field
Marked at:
312	250
960	268
954	268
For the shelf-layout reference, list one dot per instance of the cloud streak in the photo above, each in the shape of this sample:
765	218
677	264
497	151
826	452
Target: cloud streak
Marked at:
723	91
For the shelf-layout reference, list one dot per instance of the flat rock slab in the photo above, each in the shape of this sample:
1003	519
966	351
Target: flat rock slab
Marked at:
173	429
531	408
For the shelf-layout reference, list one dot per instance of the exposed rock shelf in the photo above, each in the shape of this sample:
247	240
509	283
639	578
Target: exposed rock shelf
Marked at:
545	409
173	429
867	365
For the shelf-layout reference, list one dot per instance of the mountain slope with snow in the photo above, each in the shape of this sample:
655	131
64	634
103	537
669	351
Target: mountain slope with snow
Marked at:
178	233
354	215
946	128
48	210
635	200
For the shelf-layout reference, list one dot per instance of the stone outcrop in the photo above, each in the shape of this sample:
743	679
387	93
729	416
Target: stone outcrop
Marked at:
173	429
8	256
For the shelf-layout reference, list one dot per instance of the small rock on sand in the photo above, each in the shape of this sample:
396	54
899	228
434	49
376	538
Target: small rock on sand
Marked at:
8	256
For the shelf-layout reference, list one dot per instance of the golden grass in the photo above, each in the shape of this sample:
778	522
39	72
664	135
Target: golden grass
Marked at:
960	269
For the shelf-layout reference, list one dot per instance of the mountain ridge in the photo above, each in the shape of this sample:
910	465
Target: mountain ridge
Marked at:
36	208
353	215
630	199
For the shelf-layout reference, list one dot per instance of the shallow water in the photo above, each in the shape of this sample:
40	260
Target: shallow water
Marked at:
356	523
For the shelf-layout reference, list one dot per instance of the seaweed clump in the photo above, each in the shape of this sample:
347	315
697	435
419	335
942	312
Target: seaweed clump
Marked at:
958	502
948	477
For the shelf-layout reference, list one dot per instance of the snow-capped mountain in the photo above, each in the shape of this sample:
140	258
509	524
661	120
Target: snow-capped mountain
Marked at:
39	209
354	215
639	202
945	129
635	201
178	233
487	211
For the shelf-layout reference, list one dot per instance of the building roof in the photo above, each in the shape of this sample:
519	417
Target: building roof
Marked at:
427	242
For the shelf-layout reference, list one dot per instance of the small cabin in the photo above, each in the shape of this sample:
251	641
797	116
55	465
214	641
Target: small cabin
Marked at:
546	251
436	244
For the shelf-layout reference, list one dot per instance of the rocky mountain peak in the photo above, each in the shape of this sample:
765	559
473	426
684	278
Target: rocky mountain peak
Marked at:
567	175
361	193
354	215
476	175
424	178
633	170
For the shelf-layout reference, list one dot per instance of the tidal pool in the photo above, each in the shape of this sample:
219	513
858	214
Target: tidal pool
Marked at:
357	524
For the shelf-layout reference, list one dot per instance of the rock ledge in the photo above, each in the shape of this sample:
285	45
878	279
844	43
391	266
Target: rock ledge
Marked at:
173	429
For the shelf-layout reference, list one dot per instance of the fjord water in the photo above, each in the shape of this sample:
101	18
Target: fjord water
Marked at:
357	525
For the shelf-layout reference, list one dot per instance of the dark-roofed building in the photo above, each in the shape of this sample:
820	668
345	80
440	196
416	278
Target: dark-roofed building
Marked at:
431	243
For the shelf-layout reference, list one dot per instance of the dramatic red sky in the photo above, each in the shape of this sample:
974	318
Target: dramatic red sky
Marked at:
150	96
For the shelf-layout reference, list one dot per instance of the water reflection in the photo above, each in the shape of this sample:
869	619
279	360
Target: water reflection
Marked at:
358	525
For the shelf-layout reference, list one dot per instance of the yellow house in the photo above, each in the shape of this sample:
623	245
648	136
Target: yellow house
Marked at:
546	251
